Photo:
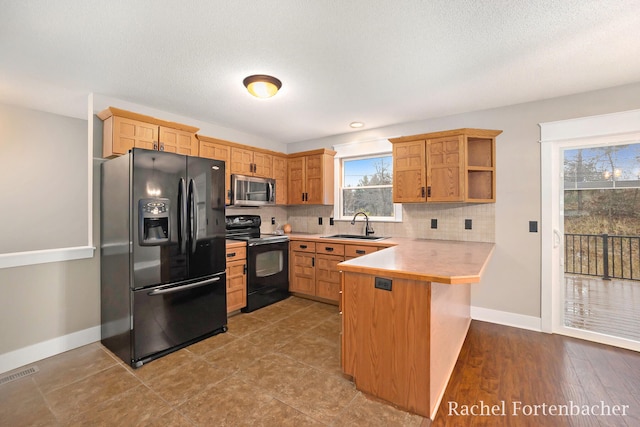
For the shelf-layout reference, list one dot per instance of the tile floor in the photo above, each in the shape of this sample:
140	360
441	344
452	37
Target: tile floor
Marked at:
278	366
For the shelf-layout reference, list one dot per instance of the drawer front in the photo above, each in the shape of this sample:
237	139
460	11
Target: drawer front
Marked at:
330	248
358	250
302	246
236	253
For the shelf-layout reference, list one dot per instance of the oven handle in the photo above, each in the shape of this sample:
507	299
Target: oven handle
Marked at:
267	242
165	291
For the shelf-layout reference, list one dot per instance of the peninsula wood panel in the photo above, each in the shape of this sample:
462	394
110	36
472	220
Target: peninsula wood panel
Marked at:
386	340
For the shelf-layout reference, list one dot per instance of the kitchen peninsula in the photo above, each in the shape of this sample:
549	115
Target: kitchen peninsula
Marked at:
405	315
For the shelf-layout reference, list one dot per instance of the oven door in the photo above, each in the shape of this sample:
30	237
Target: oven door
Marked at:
267	274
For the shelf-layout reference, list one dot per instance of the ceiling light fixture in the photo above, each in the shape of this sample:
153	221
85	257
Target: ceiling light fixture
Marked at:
356	125
262	86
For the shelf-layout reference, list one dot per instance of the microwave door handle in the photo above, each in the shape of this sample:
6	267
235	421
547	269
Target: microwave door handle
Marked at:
193	205
269	192
182	216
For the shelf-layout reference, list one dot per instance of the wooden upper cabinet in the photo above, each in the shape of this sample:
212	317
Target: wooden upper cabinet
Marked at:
280	175
218	149
445	169
178	141
449	166
310	177
409	176
252	163
124	130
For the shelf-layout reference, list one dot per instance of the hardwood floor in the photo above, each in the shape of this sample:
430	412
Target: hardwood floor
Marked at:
605	306
524	368
280	366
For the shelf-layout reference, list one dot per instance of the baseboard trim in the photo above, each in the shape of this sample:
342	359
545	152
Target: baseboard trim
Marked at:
33	353
505	318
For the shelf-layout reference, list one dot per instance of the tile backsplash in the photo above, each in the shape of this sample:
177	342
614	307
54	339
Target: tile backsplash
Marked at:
416	221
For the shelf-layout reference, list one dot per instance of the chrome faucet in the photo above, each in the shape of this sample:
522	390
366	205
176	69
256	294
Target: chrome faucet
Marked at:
368	229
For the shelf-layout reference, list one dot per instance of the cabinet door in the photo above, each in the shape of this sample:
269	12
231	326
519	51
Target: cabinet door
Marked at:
263	165
296	178
409	172
445	169
178	141
280	175
211	150
241	161
129	133
302	278
314	180
328	276
236	285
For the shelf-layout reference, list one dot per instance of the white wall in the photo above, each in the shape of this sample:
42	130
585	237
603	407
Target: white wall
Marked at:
512	282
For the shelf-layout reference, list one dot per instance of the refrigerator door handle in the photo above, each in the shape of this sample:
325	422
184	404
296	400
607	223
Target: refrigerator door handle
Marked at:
193	205
182	216
164	291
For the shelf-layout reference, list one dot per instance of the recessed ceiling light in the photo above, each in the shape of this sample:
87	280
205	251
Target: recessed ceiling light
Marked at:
356	125
262	86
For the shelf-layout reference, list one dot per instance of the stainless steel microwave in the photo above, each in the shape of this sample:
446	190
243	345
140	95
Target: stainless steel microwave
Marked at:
252	191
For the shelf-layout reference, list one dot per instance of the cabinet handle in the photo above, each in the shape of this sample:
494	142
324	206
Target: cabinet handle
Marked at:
429	191
231	254
423	192
244	270
303	246
155	145
162	146
313	261
328	249
360	252
303	197
306	197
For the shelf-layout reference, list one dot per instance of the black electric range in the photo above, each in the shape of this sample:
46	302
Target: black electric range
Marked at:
267	261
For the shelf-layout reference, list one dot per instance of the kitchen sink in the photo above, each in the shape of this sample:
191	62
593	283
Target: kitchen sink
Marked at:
353	236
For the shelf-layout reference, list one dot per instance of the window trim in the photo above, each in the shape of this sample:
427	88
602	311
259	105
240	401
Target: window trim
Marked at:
353	151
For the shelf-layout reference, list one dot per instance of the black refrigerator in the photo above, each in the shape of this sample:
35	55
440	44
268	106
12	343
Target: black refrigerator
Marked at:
162	258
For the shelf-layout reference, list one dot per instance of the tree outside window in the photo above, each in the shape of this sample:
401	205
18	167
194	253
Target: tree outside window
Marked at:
367	185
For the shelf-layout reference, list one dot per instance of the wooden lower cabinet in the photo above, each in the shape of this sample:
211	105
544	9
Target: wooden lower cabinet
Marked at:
236	278
302	277
314	267
328	276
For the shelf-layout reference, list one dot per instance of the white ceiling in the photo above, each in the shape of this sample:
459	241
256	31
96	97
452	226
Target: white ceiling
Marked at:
376	61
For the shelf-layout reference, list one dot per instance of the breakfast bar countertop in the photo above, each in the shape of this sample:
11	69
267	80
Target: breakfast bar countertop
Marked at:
442	261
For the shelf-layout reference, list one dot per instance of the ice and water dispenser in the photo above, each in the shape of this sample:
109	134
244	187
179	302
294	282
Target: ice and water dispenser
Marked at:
154	221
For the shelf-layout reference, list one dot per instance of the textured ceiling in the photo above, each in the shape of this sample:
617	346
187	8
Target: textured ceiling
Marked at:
380	62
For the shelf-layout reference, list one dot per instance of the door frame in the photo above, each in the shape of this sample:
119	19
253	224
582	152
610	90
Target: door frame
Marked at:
554	138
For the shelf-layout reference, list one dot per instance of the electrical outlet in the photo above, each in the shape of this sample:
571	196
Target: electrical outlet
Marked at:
467	224
533	226
434	223
331	221
319	220
273	220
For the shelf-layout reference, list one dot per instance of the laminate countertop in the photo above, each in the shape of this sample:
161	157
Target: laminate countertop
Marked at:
442	261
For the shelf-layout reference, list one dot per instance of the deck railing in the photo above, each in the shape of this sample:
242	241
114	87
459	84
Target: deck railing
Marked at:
602	255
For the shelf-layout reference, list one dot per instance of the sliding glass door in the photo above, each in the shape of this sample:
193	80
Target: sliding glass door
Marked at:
591	238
